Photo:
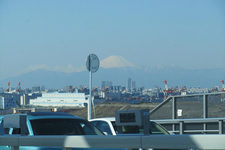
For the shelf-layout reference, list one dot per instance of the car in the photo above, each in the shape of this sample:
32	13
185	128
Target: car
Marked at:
46	123
108	126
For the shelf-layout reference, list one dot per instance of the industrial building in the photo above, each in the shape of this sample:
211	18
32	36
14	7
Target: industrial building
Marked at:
60	100
110	95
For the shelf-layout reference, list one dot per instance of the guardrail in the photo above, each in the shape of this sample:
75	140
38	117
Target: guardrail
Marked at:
192	114
131	142
204	101
194	126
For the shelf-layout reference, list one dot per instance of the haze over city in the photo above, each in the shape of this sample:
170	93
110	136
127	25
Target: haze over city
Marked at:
59	35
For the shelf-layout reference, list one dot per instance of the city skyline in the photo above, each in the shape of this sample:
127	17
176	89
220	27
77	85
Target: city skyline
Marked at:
59	35
130	86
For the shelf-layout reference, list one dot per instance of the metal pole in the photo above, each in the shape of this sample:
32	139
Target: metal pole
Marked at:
90	97
220	126
174	108
181	127
205	106
205	111
90	94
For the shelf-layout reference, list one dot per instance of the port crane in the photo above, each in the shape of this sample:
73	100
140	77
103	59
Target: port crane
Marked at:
167	90
18	90
223	88
7	90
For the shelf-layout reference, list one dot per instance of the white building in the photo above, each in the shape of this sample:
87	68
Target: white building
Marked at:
60	100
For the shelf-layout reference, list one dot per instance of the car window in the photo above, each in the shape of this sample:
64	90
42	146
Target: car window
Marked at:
157	129
114	126
1	128
10	130
104	127
63	127
154	129
18	131
95	123
90	129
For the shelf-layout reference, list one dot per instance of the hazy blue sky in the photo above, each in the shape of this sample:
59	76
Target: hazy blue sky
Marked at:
60	34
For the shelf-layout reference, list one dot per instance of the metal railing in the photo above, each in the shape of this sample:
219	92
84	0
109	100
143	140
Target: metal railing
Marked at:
203	104
131	142
194	126
192	114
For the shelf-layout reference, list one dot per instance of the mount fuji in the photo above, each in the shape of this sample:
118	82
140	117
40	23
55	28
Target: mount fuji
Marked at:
115	62
117	69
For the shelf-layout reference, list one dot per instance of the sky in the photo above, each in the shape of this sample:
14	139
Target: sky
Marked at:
59	35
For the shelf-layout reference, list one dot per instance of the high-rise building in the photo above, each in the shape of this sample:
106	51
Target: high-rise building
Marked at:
67	88
106	83
103	84
42	88
128	84
117	88
36	89
133	85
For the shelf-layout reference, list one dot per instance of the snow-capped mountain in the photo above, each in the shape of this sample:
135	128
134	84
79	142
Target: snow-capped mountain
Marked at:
115	62
117	69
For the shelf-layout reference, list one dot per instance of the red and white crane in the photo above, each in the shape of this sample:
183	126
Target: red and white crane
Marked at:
223	88
166	86
7	90
18	90
167	90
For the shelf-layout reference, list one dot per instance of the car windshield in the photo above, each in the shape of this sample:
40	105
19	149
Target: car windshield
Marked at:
154	129
157	129
63	127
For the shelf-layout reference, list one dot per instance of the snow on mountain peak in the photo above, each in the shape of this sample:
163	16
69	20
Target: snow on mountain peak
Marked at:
115	61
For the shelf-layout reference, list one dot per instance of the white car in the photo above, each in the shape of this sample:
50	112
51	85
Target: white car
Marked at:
108	126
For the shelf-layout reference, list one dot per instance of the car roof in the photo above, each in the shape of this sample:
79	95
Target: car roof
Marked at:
106	119
45	115
48	114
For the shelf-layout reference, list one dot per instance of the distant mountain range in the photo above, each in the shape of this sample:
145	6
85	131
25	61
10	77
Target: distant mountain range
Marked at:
117	70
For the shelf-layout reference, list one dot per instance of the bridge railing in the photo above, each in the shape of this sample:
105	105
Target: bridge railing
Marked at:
209	105
131	142
192	114
194	126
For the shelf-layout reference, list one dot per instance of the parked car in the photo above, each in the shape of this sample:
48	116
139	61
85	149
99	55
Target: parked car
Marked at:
108	126
49	123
